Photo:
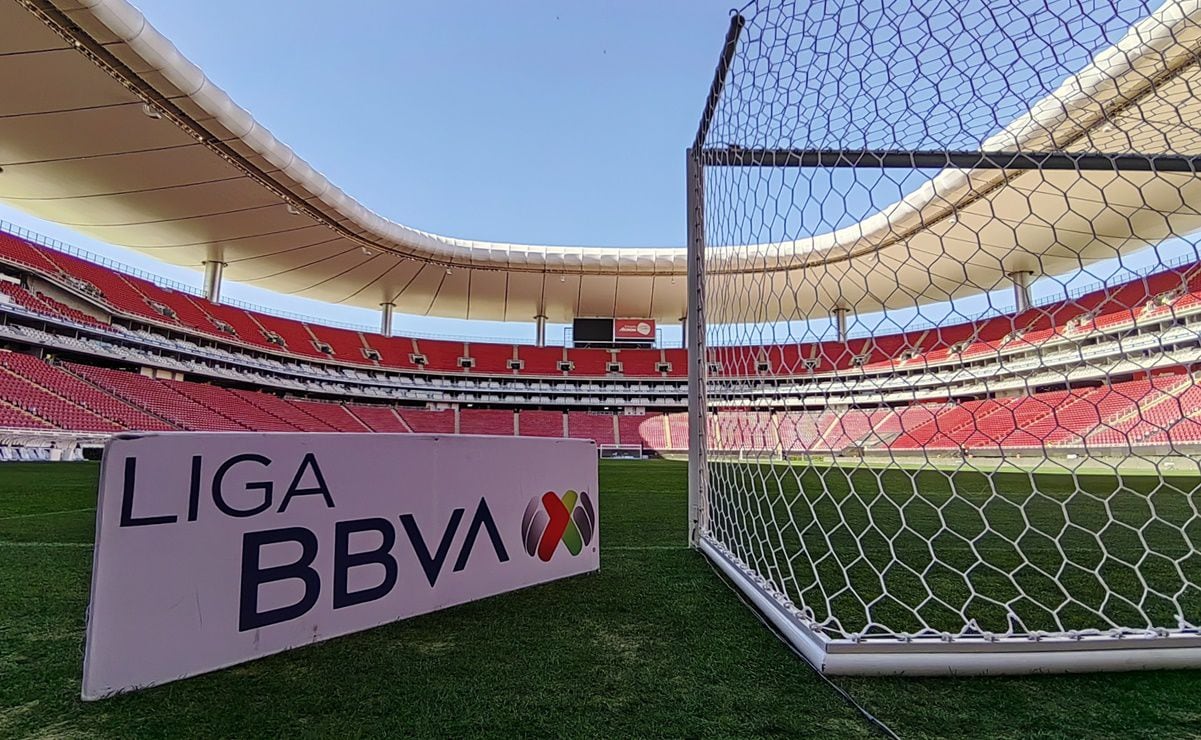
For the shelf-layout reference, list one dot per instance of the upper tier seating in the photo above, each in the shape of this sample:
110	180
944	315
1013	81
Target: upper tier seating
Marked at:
441	356
1149	297
70	313
44	304
347	345
245	328
491	359
116	288
297	337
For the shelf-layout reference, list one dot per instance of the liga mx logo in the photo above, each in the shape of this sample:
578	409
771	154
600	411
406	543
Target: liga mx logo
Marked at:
550	519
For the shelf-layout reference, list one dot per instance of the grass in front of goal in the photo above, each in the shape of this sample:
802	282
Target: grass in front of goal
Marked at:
875	551
655	645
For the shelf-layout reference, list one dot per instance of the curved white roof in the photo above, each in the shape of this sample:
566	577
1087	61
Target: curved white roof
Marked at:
207	182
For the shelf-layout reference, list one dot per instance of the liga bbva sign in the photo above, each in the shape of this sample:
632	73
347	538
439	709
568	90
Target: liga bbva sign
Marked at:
215	549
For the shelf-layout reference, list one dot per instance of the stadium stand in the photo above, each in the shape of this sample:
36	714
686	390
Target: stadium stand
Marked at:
440	356
677	432
1152	297
49	406
79	393
333	415
229	405
286	411
380	418
156	397
486	421
540	423
648	430
429	422
183	362
597	427
491	359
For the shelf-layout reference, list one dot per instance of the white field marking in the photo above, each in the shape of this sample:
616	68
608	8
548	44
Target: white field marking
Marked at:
45	513
47	544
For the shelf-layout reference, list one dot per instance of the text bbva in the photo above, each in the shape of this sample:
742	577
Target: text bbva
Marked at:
308	480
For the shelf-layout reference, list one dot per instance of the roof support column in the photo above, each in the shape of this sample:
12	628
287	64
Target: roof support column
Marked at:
385	318
840	322
213	270
540	329
1021	289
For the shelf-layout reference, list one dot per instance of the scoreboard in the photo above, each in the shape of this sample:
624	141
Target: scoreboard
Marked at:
601	332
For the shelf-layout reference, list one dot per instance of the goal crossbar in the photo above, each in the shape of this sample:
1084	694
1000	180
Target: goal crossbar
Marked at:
736	156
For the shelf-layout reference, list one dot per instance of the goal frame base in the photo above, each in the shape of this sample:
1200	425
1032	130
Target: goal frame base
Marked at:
961	656
631	448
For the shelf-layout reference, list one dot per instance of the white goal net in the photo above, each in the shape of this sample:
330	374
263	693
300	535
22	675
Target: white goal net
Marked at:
945	331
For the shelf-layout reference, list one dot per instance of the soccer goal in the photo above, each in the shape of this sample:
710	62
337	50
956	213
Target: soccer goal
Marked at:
620	452
944	320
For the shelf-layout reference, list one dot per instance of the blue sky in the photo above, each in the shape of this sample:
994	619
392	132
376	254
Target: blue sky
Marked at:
524	121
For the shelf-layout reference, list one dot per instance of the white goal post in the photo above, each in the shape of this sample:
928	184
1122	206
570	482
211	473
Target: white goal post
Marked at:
943	334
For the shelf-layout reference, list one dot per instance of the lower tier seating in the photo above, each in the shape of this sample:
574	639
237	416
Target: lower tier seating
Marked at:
379	418
1162	409
485	421
540	423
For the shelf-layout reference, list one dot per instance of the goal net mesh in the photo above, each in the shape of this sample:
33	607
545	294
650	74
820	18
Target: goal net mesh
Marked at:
944	400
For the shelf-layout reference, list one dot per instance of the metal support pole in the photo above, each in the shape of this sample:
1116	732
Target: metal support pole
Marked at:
540	327
213	269
1021	289
840	322
385	318
695	342
694	338
684	332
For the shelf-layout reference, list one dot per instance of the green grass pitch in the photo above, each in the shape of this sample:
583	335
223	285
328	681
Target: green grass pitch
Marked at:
868	548
654	645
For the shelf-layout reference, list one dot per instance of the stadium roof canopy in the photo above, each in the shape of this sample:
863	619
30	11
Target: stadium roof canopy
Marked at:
106	128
